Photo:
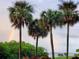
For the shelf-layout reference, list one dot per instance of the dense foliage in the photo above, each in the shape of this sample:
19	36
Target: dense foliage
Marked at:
9	50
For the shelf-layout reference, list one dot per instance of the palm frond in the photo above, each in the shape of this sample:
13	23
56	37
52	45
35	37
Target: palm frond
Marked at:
20	13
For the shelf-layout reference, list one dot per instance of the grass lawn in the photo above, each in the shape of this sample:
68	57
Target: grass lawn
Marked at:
61	58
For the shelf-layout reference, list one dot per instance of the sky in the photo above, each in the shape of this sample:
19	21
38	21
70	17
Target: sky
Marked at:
8	33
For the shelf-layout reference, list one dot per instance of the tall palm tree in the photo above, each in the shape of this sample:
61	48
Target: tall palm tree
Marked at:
70	17
36	31
51	19
20	14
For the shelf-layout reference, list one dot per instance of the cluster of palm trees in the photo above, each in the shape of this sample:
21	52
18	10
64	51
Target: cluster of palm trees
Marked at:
21	14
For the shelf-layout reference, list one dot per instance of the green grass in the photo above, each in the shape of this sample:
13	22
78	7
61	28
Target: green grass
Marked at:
62	58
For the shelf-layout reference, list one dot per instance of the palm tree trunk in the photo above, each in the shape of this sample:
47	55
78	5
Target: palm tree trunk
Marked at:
20	40
37	46
52	44
67	40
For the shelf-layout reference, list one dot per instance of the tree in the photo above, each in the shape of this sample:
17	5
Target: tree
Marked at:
77	54
20	14
51	19
9	50
36	31
70	17
3	51
60	54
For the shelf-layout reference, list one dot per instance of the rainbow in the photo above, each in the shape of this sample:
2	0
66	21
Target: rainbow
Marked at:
11	35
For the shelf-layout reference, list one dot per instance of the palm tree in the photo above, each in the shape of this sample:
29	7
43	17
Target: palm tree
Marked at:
51	19
20	14
70	17
36	31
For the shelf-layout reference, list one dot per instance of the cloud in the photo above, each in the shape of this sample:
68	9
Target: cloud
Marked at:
40	1
3	36
39	6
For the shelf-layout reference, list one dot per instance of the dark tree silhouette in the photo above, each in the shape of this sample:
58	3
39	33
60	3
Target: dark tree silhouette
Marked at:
20	14
36	31
51	19
70	17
